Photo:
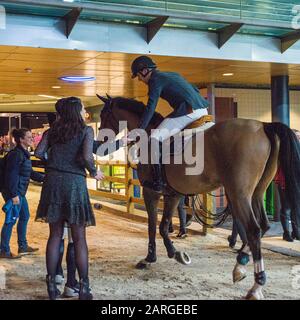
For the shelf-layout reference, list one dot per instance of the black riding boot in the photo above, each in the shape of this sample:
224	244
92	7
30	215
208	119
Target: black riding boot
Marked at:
85	291
295	224
285	226
53	292
295	232
157	181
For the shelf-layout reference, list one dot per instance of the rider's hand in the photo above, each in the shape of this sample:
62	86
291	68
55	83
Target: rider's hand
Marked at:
16	200
99	176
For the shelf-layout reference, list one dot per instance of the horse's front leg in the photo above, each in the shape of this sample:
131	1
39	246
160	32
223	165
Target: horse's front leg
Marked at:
170	205
151	202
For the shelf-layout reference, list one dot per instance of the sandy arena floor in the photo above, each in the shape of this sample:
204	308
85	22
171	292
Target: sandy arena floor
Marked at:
117	244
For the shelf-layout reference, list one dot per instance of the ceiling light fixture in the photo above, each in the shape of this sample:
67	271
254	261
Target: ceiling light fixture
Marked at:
56	87
227	74
77	79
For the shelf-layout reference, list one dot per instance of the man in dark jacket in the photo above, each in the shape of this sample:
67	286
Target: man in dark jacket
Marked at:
18	172
182	96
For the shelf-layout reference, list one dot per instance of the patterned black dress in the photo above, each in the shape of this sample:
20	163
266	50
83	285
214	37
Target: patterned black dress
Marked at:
64	193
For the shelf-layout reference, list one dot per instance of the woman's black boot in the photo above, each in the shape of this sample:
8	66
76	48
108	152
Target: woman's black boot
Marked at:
85	291
53	292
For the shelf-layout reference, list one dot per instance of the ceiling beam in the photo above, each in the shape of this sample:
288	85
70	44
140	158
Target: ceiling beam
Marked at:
70	20
224	34
154	26
289	39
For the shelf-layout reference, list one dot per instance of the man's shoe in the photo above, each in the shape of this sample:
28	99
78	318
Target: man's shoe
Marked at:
27	250
287	237
4	255
71	291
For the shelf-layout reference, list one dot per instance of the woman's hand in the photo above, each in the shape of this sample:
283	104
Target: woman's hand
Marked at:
16	200
99	176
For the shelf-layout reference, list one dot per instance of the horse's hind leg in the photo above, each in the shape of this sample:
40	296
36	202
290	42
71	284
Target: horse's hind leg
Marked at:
151	202
242	208
170	205
263	222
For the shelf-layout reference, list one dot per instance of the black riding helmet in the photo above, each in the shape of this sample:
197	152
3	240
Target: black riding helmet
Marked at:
141	63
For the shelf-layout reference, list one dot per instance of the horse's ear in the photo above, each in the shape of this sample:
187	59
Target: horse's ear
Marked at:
109	97
103	99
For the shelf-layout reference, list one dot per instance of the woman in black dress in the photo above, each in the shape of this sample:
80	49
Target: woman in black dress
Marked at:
68	147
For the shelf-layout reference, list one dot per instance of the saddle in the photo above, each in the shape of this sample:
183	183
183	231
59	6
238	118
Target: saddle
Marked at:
200	122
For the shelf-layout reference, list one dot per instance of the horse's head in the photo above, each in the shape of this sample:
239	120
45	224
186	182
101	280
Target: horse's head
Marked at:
123	109
107	116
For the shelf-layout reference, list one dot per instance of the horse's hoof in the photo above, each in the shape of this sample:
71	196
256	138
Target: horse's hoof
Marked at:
238	274
143	264
183	257
254	295
237	277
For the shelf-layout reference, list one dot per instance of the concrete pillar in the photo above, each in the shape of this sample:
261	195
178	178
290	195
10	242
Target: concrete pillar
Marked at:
280	100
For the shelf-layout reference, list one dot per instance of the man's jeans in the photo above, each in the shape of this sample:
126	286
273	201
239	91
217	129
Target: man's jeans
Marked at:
21	228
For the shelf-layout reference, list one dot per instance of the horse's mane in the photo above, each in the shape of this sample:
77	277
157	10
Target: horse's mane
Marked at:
137	107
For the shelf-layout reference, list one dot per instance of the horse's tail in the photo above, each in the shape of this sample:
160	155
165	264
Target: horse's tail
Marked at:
289	161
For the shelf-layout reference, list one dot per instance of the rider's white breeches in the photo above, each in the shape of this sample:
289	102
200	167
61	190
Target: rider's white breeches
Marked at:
171	126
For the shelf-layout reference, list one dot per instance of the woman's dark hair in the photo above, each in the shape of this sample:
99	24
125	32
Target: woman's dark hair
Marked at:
69	123
19	134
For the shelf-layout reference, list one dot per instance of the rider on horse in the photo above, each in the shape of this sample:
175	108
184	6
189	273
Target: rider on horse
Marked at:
182	96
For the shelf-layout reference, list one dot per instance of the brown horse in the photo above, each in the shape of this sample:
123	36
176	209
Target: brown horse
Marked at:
241	155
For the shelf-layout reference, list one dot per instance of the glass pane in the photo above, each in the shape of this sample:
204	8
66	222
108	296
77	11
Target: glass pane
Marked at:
267	11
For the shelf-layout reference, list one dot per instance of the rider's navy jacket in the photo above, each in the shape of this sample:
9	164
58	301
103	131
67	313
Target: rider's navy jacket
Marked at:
181	95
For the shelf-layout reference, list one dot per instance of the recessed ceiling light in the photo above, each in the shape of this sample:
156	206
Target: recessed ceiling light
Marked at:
56	87
77	79
227	74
